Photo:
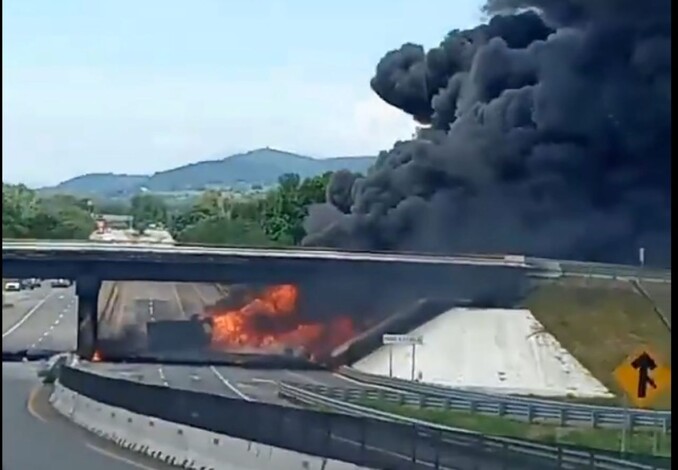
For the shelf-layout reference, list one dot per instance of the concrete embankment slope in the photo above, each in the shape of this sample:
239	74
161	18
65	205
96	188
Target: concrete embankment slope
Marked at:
565	340
499	350
108	296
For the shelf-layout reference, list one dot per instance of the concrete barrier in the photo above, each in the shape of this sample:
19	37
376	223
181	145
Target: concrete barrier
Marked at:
183	446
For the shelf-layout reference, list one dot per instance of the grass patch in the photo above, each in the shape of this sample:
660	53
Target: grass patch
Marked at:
640	442
600	322
661	295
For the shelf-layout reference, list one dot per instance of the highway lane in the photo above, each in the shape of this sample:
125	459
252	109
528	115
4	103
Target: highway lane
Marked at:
35	436
18	303
142	302
44	318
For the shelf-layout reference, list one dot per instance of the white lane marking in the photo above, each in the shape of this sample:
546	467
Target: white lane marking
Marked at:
119	458
178	299
28	315
228	384
263	381
203	299
162	377
353	381
304	378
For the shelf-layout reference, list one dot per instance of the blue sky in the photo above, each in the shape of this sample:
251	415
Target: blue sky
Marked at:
139	86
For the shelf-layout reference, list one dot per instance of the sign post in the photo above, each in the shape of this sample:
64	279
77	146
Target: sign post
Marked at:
414	352
644	378
390	360
641	256
391	340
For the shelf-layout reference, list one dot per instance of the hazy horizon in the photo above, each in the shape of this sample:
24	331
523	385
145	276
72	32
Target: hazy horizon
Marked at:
210	158
113	87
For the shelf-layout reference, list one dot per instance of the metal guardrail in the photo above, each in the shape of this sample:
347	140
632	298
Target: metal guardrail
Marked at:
600	270
560	456
522	408
366	441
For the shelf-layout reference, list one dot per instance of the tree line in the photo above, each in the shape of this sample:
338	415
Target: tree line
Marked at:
27	215
272	218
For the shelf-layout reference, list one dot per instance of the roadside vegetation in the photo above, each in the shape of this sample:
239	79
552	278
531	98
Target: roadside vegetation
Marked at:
272	218
638	442
600	322
26	215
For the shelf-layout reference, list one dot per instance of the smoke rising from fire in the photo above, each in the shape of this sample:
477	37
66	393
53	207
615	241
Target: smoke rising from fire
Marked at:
549	135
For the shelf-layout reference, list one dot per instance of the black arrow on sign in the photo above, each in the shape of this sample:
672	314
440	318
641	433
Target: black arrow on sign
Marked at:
644	364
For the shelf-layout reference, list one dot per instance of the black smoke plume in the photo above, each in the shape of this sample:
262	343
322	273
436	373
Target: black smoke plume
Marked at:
549	135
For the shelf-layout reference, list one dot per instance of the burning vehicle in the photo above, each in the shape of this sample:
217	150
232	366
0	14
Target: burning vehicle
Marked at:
264	320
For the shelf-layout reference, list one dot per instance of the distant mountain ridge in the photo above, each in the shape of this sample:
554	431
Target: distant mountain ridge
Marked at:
257	167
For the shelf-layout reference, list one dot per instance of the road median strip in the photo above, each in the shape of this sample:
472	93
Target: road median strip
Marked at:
166	435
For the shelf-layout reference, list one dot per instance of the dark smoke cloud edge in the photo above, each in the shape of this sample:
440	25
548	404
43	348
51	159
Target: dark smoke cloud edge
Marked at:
549	135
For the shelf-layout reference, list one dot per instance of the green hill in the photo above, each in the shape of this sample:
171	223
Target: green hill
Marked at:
262	167
258	167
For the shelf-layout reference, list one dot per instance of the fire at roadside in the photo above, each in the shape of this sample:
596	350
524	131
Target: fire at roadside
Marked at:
315	319
269	320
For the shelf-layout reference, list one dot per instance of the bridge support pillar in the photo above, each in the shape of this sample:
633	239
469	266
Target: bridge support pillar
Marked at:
87	289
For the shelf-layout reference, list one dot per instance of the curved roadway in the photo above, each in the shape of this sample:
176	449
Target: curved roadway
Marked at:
141	302
43	318
36	436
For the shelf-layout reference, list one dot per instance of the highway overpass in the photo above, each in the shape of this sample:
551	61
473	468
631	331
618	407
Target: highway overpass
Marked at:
52	322
153	262
89	264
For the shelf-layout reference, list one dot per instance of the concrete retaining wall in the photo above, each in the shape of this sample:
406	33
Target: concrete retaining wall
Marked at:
183	446
108	296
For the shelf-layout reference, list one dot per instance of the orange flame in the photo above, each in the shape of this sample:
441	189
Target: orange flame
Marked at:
270	321
96	357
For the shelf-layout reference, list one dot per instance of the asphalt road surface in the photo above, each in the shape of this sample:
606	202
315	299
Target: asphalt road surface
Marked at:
46	318
42	318
35	436
142	302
